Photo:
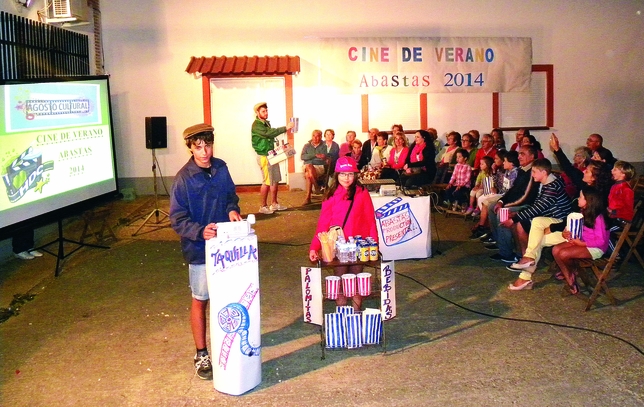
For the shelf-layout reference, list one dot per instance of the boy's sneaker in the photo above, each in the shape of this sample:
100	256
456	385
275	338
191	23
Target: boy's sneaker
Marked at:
511	259
477	233
278	207
265	210
488	240
203	367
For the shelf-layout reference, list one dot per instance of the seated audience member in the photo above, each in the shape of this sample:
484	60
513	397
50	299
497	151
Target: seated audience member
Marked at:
22	244
594	141
356	150
595	174
503	180
593	243
345	148
466	144
458	188
332	148
446	156
551	202
519	137
621	199
367	148
522	193
478	189
487	150
397	157
420	168
476	137
437	142
381	151
530	140
315	159
581	157
604	155
499	140
394	129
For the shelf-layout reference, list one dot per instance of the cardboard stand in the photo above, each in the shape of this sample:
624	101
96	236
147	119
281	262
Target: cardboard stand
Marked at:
233	285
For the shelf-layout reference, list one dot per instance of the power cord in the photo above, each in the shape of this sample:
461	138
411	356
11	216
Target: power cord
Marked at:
532	321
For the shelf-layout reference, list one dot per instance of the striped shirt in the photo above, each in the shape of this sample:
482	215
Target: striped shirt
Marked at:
552	201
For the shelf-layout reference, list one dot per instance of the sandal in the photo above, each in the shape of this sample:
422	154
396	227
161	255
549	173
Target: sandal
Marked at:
559	276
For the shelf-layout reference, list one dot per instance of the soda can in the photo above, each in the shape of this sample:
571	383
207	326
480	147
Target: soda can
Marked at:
373	250
364	251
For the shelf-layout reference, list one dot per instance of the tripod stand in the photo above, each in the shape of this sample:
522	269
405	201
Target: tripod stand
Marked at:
156	211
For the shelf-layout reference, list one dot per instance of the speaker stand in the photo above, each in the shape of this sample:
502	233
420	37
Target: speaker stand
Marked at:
60	254
156	212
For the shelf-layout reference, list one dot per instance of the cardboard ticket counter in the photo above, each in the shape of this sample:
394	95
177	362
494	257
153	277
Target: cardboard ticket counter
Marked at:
404	226
233	284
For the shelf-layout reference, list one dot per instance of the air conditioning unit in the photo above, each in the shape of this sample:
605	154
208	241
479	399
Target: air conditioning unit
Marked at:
69	12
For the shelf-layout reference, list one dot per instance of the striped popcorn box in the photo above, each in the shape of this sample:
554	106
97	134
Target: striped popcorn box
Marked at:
335	330
332	284
364	284
575	223
354	330
371	326
344	309
504	214
487	185
349	285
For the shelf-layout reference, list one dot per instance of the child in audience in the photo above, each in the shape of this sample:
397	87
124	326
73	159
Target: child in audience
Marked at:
458	187
510	171
477	190
621	199
593	242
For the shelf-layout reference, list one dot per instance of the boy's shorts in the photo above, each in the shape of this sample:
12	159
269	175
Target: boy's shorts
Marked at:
271	174
198	281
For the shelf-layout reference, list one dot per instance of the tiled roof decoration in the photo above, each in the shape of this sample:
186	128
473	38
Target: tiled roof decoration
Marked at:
241	66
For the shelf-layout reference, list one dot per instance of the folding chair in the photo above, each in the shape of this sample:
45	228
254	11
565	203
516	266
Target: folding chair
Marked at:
601	268
636	233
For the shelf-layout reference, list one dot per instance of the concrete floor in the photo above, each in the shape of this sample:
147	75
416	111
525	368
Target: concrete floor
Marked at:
112	329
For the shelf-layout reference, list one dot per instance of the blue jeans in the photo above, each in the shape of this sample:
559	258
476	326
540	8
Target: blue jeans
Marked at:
501	234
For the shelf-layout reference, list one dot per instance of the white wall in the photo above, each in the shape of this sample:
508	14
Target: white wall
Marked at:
595	47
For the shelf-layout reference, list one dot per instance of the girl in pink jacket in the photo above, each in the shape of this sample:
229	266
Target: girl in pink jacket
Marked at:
349	206
593	242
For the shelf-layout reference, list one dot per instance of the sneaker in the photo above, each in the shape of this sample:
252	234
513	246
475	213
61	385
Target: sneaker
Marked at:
278	207
491	246
24	256
516	270
35	253
469	211
488	240
477	212
265	210
479	233
203	367
447	204
511	259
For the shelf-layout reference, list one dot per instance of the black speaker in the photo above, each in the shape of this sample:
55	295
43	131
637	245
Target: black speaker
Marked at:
156	132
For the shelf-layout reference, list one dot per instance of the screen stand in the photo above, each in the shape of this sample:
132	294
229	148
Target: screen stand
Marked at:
156	211
60	255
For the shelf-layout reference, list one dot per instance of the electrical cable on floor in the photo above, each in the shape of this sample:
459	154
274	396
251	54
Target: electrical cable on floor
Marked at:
532	321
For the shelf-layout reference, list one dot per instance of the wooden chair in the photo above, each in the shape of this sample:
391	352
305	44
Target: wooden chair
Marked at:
634	236
600	269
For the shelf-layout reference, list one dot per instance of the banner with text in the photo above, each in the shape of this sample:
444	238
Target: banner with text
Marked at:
427	65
